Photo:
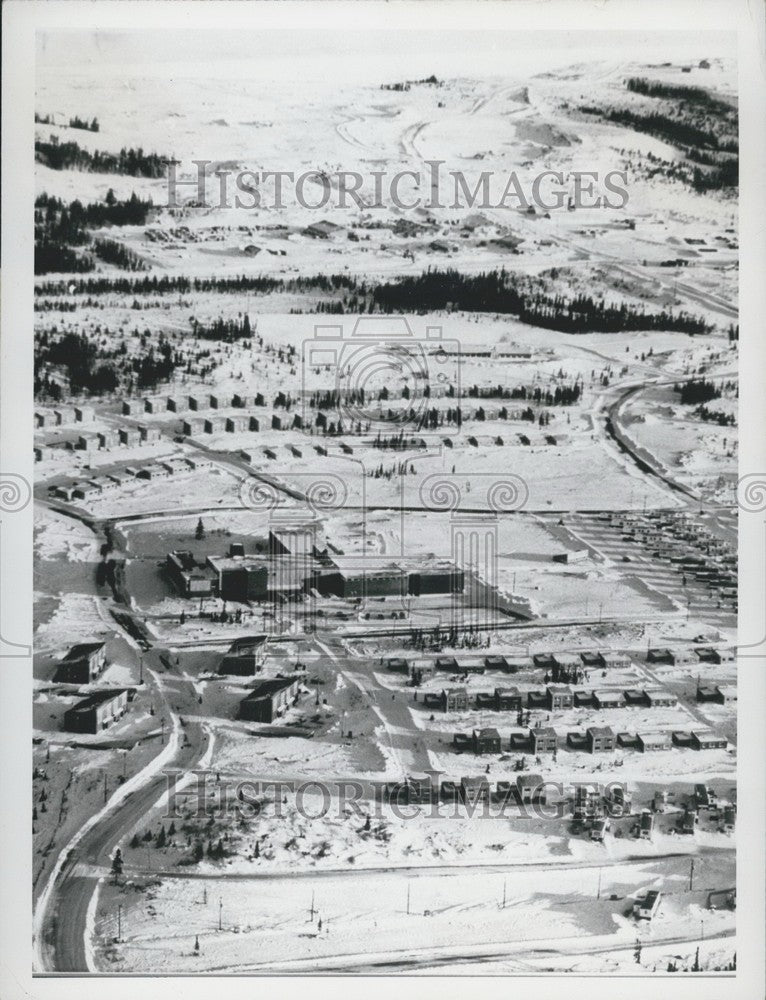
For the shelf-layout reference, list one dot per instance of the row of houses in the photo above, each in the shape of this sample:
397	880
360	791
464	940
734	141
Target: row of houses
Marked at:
687	655
555	697
556	663
105	440
122	437
595	739
239	423
526	788
64	415
196	403
97	486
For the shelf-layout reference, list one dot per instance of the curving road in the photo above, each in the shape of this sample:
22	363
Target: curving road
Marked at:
63	941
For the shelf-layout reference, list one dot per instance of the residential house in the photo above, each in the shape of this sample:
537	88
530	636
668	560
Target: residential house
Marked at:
245	656
726	694
82	664
544	661
214	425
63	415
608	699
149	434
96	712
474	790
706	739
530	788
108	439
269	699
653	741
659	698
486	741
130	437
194	426
543	740
600	739
559	697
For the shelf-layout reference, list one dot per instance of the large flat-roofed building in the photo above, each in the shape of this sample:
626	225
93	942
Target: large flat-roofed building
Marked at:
269	699
355	580
438	578
190	579
240	578
82	664
245	656
96	712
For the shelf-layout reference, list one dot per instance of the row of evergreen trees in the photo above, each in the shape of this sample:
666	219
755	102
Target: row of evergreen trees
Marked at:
495	291
561	395
87	125
678	92
71	156
226	331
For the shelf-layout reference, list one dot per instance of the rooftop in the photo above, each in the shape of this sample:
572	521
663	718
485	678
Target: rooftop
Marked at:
84	649
266	688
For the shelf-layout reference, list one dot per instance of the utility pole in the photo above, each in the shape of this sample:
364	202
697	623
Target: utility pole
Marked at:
504	883
598	891
312	907
141	669
691	874
162	726
220	913
204	895
600	610
105	788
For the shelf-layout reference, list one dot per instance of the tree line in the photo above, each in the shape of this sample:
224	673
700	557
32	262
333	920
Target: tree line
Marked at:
71	156
433	290
91	125
61	228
